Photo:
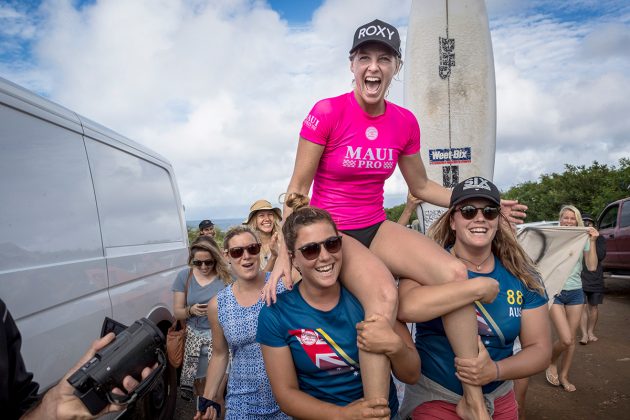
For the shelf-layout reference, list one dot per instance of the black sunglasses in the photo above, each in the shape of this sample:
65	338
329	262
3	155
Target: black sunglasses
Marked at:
198	263
469	212
312	250
237	251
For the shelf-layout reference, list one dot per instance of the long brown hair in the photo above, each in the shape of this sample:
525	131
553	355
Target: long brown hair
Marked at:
504	246
208	244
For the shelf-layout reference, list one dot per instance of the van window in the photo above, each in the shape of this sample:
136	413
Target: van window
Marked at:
48	212
625	214
609	219
135	198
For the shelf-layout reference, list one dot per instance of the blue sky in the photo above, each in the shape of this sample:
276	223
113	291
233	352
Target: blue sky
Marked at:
296	12
220	87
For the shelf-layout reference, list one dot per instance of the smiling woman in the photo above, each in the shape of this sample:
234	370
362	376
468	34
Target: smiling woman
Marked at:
349	145
510	301
310	338
264	219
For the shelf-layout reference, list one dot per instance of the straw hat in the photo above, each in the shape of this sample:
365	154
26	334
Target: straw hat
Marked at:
262	205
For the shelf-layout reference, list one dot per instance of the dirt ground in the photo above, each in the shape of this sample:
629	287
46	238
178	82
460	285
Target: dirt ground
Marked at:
600	372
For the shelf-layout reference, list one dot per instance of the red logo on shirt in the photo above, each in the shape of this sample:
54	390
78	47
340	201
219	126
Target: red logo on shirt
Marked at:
322	353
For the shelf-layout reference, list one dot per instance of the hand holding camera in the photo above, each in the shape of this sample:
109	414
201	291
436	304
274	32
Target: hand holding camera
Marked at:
111	366
64	404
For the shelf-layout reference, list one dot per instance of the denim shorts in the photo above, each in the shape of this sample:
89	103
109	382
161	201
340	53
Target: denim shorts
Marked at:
569	297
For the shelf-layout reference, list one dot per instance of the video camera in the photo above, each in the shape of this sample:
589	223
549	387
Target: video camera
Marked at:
133	349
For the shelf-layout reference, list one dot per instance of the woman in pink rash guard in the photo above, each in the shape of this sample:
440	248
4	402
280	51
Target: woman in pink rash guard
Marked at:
349	145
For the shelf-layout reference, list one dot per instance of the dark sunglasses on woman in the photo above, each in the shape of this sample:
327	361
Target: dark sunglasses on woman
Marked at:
469	212
238	251
198	263
312	250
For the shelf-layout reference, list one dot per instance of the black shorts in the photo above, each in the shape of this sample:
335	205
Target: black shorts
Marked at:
593	298
364	235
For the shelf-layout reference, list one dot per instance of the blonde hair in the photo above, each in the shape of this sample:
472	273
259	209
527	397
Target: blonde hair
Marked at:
208	244
578	214
254	227
504	246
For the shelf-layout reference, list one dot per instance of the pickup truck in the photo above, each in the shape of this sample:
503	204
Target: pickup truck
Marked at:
614	225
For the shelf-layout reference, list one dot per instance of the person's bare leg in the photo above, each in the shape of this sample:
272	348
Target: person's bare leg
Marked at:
593	314
574	313
560	323
520	392
409	254
367	278
584	320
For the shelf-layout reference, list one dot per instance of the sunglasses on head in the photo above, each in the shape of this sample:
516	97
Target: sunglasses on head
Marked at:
237	251
469	212
198	263
312	250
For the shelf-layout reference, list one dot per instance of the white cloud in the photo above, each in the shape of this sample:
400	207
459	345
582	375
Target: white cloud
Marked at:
220	87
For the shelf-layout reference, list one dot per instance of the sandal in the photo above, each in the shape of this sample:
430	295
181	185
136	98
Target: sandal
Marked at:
567	386
551	378
584	340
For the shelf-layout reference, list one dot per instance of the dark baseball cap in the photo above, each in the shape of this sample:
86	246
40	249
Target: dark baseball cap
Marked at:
475	187
205	224
377	31
586	216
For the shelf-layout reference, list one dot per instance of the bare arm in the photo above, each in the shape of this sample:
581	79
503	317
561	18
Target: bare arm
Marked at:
419	184
534	357
299	404
410	206
306	163
179	306
422	303
590	256
220	355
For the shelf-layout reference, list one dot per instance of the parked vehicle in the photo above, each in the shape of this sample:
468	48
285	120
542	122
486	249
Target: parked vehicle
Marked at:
91	225
614	225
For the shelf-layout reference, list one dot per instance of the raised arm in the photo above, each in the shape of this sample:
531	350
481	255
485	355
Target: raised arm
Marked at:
299	404
306	162
418	303
410	207
590	256
219	360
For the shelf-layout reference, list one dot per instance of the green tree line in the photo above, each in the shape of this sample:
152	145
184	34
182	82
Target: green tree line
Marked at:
590	189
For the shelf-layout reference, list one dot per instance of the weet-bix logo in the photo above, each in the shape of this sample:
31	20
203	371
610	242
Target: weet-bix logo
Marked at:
477	183
450	156
377	30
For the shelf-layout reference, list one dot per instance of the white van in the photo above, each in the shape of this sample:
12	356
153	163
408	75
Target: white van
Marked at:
91	225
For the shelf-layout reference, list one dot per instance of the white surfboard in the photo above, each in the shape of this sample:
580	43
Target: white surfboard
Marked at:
449	85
